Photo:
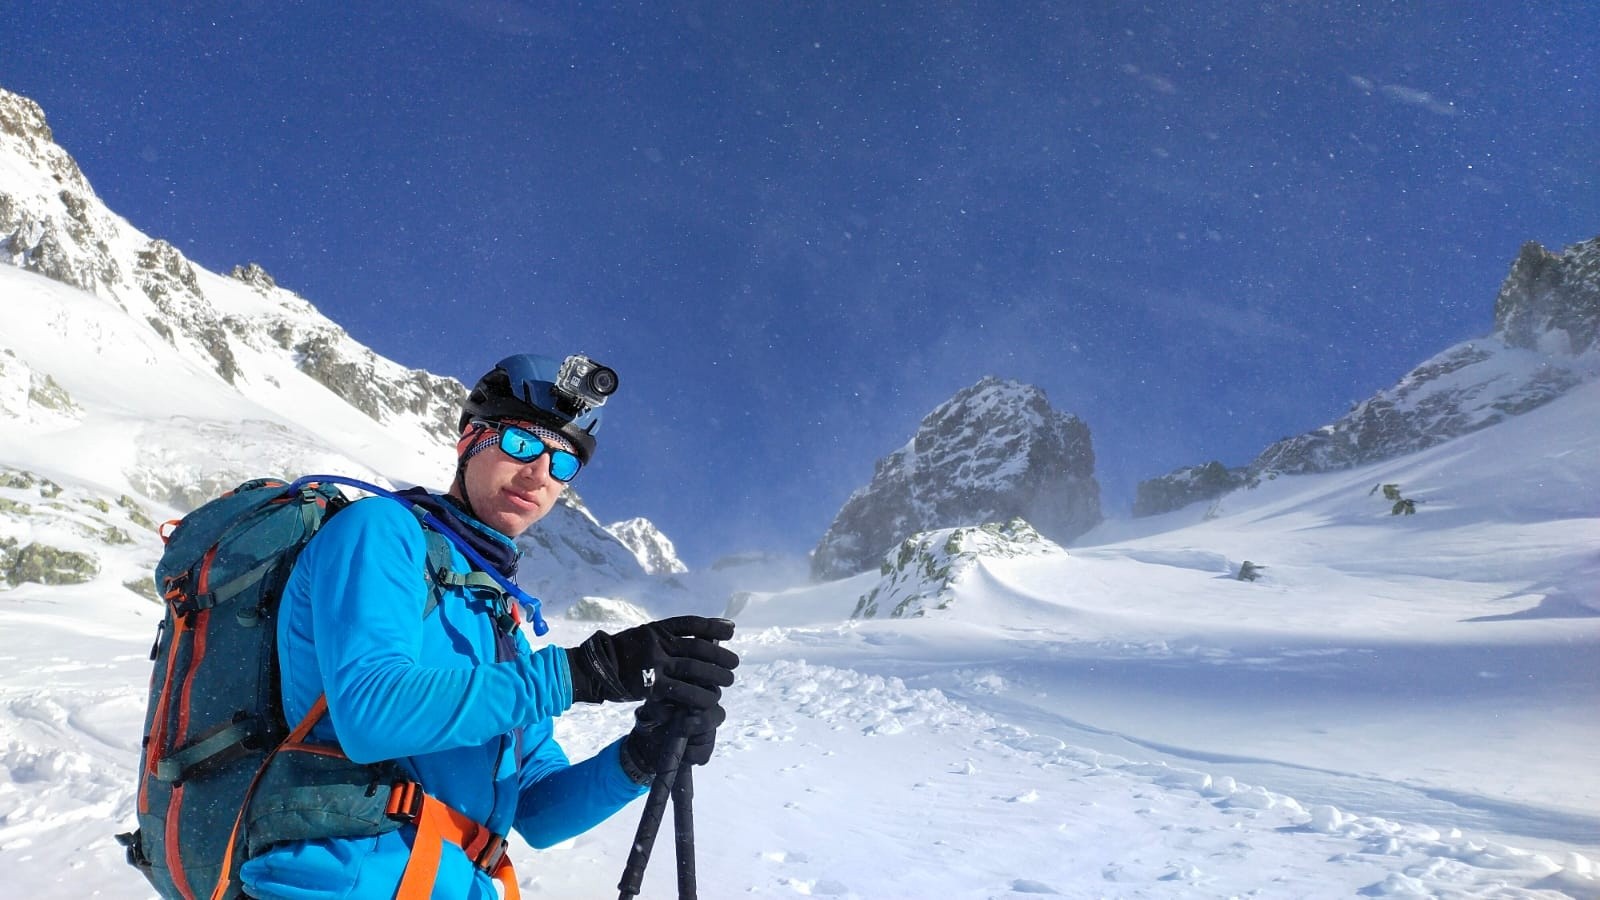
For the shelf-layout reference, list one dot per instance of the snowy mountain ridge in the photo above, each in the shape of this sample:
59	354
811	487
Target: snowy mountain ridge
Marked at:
52	223
1544	344
112	339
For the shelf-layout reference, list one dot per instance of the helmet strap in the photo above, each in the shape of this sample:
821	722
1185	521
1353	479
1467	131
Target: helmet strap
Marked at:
458	484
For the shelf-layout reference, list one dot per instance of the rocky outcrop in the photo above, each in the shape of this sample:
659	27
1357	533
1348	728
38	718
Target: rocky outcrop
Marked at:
173	285
369	382
612	614
921	575
993	452
1184	486
59	229
255	276
30	396
1551	301
43	564
50	534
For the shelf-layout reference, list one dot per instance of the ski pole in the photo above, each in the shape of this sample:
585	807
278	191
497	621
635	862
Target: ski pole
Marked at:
654	807
683	826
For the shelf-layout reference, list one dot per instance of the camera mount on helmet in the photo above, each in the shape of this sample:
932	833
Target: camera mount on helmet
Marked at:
585	384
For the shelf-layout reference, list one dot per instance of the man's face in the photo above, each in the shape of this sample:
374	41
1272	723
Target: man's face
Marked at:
507	495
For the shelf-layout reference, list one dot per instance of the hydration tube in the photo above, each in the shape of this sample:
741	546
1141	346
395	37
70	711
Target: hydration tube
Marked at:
530	604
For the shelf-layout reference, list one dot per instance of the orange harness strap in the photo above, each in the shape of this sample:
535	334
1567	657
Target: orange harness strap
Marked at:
436	823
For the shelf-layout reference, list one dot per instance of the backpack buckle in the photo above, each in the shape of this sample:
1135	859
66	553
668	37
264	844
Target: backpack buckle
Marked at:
494	850
405	801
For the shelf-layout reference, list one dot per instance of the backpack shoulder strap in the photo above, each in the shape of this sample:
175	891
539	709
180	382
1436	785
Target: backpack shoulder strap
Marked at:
442	575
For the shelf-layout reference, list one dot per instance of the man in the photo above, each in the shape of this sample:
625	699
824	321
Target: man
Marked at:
454	694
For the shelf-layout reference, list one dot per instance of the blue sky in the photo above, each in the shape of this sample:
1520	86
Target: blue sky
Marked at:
796	228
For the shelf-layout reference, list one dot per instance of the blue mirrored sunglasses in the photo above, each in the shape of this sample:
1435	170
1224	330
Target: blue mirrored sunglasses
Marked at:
524	447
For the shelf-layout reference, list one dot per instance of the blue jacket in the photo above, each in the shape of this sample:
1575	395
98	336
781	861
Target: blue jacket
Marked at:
476	733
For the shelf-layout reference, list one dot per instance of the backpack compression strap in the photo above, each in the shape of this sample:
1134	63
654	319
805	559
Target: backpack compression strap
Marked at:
225	877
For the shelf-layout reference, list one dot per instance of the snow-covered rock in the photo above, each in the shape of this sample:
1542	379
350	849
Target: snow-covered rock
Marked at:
924	572
1551	301
569	554
653	549
30	396
993	452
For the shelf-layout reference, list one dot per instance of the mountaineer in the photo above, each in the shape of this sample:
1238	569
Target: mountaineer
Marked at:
450	692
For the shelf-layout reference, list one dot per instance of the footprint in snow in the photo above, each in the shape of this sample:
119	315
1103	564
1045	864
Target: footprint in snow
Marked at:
784	856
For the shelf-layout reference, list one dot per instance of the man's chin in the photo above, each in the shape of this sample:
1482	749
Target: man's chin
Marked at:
513	524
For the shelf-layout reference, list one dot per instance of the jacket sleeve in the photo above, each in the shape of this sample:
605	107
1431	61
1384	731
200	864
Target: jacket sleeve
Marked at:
558	800
368	587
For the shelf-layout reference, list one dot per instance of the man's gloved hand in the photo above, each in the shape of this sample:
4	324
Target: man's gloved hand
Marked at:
670	660
652	730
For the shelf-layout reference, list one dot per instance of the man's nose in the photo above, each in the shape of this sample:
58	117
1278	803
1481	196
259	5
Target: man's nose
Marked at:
537	468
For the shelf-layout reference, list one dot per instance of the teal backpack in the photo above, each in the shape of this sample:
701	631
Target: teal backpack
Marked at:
218	778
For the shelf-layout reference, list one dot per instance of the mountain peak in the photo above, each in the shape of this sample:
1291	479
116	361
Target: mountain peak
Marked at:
21	117
1551	301
652	548
255	276
993	452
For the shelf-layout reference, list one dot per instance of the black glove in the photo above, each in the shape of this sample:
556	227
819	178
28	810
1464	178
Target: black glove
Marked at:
672	660
653	729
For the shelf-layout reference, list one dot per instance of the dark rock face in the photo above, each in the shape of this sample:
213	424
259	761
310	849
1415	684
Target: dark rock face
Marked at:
255	276
993	452
370	383
1184	486
59	232
172	284
1548	294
